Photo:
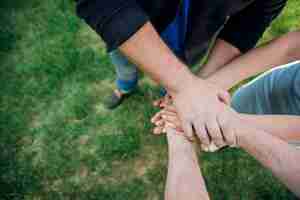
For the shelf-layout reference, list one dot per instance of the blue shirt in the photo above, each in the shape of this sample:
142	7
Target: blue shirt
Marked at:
175	34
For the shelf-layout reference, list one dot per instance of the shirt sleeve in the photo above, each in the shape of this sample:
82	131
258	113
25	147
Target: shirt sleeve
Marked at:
244	29
114	20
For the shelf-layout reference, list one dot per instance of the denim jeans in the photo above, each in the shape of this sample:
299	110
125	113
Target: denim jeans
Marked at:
127	72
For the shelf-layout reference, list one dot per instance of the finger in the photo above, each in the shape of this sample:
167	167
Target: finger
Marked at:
172	119
168	97
160	122
156	103
176	122
166	112
170	108
168	100
188	129
165	104
213	147
170	125
156	117
204	148
228	132
164	130
158	130
202	134
215	133
180	132
225	97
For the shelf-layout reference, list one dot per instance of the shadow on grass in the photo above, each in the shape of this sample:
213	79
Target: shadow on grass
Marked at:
10	186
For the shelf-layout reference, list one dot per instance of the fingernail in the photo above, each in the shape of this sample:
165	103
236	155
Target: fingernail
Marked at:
212	147
206	149
169	125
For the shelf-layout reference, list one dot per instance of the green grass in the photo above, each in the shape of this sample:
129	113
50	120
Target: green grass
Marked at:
57	141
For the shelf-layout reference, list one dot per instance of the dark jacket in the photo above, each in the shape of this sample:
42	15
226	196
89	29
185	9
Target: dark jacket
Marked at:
117	20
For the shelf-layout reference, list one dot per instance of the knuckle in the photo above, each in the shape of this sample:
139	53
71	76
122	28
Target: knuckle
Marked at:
202	136
222	121
216	137
213	130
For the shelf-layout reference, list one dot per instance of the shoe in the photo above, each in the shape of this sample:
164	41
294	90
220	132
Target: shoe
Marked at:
116	99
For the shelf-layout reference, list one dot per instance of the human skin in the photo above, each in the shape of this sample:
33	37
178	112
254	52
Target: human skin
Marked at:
185	180
220	55
148	51
285	127
274	154
225	60
282	50
277	52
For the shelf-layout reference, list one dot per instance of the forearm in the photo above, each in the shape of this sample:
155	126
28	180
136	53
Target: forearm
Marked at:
152	56
285	127
275	154
221	54
184	179
280	51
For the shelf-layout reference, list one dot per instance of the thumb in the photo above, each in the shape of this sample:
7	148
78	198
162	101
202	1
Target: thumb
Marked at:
225	97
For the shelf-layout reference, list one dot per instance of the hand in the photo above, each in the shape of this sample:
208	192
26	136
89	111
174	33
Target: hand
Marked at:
168	119
166	104
163	101
199	105
232	126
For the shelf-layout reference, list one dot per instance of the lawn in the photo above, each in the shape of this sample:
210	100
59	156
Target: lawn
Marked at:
58	141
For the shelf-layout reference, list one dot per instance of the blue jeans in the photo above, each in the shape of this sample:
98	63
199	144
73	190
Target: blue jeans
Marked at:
274	92
127	72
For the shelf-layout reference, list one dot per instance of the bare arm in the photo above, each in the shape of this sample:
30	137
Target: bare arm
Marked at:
220	55
285	127
152	55
280	51
149	52
275	154
272	152
184	179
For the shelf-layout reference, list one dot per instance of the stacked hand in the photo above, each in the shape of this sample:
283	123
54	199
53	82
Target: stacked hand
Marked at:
168	117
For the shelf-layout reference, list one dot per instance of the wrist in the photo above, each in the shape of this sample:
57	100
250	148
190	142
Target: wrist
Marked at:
183	80
245	133
178	143
219	81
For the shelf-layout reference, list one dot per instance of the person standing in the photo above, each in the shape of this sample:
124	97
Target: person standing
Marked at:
135	28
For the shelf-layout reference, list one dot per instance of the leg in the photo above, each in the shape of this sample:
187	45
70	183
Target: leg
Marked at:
275	92
126	81
184	179
127	73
